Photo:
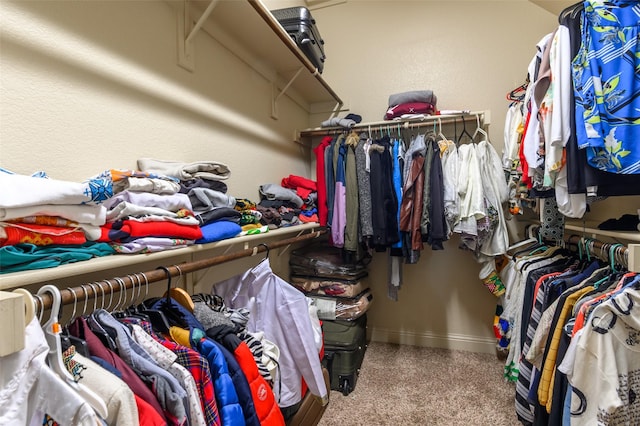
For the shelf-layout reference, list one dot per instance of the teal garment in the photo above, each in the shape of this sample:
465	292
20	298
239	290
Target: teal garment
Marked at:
606	77
397	184
24	257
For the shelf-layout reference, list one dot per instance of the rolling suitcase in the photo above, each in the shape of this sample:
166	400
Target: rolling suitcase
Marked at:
345	343
324	261
301	26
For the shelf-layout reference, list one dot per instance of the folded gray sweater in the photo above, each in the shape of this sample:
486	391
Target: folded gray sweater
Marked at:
413	96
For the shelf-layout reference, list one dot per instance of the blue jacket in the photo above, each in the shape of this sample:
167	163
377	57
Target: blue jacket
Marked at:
241	385
229	407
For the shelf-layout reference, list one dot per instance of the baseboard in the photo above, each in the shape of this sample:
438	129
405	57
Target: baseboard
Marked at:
432	340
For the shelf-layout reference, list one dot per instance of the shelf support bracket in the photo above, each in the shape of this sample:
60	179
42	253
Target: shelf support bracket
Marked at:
274	99
186	34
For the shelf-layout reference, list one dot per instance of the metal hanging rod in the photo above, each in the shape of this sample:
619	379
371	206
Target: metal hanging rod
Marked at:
93	290
463	116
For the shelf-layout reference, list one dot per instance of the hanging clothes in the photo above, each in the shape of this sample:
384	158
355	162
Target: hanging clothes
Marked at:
30	389
607	86
281	312
383	199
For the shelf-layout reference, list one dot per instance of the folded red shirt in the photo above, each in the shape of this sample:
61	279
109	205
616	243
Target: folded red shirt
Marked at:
41	235
116	231
409	108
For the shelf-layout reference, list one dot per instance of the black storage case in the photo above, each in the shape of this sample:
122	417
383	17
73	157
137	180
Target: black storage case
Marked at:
301	26
325	261
345	343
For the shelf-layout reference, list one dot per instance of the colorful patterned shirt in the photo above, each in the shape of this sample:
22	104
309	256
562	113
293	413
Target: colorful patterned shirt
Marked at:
606	76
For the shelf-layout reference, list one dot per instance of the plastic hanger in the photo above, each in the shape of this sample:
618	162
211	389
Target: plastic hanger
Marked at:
464	132
67	340
266	254
156	317
527	241
168	315
99	331
54	358
571	11
134	309
518	94
479	130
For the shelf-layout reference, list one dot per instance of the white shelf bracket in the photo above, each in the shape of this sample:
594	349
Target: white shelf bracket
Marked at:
186	34
274	99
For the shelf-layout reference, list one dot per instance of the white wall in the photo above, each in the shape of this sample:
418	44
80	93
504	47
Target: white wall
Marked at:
88	86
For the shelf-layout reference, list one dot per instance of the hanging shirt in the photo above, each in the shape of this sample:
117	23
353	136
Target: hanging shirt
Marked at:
321	181
29	389
167	360
281	312
607	87
339	219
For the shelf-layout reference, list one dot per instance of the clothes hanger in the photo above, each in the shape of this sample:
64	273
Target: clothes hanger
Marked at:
54	357
157	317
572	11
171	314
529	240
479	130
180	295
518	94
40	307
117	311
106	340
134	308
66	339
266	255
464	131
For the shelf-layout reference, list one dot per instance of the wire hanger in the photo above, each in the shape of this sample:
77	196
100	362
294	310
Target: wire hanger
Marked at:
54	358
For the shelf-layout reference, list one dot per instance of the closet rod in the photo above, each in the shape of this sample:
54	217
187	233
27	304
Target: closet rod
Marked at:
71	295
601	246
429	120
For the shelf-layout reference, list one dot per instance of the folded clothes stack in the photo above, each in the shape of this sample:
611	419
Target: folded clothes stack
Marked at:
626	222
412	104
347	122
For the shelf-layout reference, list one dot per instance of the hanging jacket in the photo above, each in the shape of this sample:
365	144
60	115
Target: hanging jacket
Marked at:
263	398
412	202
383	196
282	313
241	384
411	209
226	396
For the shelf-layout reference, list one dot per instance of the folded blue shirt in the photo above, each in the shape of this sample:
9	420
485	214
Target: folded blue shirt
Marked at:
216	231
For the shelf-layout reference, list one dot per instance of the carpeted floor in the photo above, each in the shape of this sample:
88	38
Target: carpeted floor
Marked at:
408	385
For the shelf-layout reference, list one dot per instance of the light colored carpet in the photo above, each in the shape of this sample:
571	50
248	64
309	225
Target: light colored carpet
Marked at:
409	385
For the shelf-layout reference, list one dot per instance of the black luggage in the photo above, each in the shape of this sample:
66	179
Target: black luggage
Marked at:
345	343
301	26
325	261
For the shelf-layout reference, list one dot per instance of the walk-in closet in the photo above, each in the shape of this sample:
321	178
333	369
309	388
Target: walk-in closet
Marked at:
193	205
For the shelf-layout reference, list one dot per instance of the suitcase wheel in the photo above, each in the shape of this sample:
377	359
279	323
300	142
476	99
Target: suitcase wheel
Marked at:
346	388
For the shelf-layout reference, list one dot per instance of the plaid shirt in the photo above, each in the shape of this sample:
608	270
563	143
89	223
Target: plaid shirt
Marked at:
198	366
